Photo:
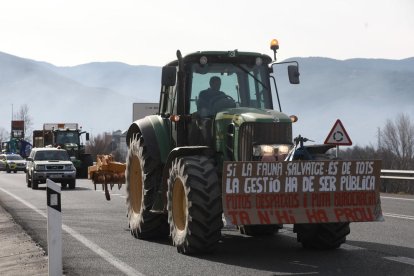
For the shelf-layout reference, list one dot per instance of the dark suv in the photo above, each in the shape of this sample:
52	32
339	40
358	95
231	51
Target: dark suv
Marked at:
50	163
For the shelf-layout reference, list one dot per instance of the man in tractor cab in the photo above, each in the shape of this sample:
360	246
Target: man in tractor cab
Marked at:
212	100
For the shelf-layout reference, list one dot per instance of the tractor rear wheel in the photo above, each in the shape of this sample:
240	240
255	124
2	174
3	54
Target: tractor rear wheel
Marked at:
322	235
194	205
143	174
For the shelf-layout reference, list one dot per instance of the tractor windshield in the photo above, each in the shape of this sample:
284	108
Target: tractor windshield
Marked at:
67	137
244	85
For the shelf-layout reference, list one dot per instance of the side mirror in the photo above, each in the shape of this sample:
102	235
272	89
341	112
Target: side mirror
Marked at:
87	136
29	159
169	74
293	72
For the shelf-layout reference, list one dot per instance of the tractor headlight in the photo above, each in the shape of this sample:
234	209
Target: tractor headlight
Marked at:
271	152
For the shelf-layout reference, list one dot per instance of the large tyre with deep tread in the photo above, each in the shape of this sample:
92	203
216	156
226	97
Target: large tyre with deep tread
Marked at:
259	230
322	235
194	205
143	174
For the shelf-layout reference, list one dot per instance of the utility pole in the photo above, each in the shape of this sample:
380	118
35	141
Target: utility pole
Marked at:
11	124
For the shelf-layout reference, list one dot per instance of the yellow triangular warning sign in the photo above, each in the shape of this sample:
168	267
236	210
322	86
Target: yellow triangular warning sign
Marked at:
338	135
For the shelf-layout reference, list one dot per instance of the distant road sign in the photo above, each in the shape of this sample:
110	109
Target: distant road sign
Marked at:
338	135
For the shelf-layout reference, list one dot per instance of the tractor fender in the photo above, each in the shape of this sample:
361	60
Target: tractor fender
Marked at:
155	133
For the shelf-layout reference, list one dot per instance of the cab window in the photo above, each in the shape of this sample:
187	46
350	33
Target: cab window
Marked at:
247	85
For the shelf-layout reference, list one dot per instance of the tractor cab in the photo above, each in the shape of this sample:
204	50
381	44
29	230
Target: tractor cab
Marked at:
243	81
208	95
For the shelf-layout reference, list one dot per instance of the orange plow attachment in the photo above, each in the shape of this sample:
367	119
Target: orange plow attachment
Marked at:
107	172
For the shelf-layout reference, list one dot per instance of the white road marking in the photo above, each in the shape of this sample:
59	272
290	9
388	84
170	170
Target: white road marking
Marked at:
398	216
397	198
404	260
125	268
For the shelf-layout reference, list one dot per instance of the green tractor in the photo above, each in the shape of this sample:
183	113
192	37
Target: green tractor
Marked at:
66	136
215	107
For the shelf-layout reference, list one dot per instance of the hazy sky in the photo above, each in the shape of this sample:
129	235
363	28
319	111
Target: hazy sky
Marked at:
71	32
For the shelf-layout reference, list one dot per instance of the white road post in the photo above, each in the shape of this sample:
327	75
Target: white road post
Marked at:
54	228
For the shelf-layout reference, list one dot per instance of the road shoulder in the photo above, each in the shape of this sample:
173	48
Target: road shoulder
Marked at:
19	254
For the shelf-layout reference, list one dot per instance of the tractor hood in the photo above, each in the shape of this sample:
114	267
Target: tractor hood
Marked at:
237	129
244	114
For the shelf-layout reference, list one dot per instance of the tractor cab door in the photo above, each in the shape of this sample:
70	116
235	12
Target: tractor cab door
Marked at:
168	103
210	91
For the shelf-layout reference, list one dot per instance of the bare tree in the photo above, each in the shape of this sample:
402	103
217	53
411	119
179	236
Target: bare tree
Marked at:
397	138
100	144
23	114
396	145
395	149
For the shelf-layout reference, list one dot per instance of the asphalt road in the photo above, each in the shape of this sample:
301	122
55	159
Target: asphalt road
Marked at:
96	240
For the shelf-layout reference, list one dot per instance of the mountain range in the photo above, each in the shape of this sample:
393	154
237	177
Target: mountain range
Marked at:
362	93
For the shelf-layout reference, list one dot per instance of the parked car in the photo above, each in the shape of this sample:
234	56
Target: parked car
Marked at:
2	162
50	163
12	162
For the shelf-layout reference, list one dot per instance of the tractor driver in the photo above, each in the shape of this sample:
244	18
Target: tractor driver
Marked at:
211	101
208	96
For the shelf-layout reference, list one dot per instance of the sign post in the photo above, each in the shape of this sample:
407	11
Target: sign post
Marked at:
338	136
54	228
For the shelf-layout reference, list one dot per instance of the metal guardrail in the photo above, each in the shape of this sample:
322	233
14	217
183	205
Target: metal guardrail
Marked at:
397	174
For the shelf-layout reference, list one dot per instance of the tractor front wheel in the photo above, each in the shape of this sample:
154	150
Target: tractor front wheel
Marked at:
194	205
322	235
